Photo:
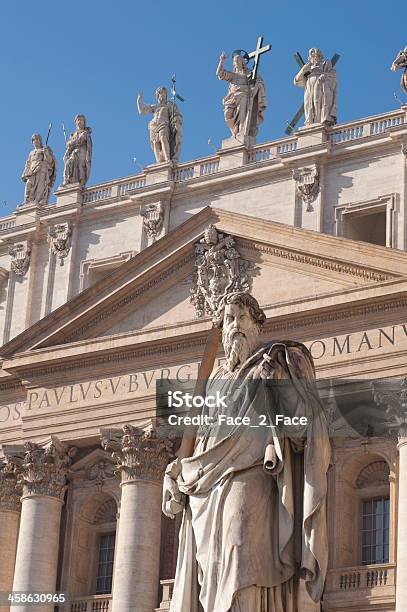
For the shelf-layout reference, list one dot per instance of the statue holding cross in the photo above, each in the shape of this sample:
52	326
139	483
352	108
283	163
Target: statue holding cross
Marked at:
318	78
245	102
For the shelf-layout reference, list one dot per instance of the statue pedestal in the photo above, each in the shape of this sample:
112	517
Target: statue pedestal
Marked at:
159	173
311	135
238	141
69	195
27	213
233	152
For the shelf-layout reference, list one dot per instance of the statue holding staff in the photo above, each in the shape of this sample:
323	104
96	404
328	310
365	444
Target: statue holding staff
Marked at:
400	63
253	499
165	126
78	154
319	80
39	172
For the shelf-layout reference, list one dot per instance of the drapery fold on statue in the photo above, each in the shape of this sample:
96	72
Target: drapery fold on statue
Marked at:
239	523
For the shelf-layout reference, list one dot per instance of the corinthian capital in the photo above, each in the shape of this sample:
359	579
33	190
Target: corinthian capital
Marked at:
138	454
44	469
10	491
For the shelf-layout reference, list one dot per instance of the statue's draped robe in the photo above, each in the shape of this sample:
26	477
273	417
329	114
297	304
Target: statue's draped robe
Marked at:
236	543
236	102
319	93
166	123
39	174
78	160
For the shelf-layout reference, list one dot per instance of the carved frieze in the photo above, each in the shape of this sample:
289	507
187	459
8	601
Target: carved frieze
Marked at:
10	491
219	269
138	454
20	258
59	240
44	469
307	184
153	219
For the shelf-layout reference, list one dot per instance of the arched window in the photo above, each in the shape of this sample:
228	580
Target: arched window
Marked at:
105	520
374	487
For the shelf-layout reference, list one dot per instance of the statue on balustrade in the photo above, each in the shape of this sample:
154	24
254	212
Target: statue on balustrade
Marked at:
78	154
165	126
245	103
400	63
39	172
253	534
319	80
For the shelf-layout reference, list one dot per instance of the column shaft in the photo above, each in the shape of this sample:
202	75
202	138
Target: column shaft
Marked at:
37	551
137	562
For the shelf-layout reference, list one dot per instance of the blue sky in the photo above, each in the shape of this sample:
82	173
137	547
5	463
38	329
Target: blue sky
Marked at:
60	58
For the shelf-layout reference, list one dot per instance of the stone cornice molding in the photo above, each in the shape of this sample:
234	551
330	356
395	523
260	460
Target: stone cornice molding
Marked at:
139	454
44	469
319	262
10	490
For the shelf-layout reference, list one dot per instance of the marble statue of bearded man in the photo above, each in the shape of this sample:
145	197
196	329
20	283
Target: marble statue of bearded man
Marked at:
78	154
253	498
318	77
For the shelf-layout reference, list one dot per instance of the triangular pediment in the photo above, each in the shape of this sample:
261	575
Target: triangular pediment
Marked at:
151	292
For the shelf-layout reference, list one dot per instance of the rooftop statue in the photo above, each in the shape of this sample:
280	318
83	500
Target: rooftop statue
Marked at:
252	524
165	126
245	103
400	63
78	154
39	172
319	80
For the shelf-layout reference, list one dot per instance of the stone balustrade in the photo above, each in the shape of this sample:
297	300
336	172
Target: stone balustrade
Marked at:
7	223
354	584
201	167
94	603
168	587
115	189
372	126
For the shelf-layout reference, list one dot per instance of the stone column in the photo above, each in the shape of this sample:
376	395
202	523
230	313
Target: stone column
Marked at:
401	584
141	458
44	470
10	507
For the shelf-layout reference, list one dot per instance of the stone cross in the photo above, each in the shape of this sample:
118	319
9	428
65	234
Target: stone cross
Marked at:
293	123
256	54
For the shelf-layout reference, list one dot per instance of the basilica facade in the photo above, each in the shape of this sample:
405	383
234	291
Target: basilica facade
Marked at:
101	297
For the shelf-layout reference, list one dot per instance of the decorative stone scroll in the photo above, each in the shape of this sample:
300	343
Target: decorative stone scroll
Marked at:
10	491
20	258
44	469
219	269
59	240
153	219
307	184
138	454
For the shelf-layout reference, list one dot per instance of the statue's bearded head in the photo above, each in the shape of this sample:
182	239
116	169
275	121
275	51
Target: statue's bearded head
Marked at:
161	94
315	56
36	139
242	320
80	122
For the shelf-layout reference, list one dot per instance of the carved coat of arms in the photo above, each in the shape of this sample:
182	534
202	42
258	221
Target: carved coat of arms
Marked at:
20	258
219	270
59	240
307	184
